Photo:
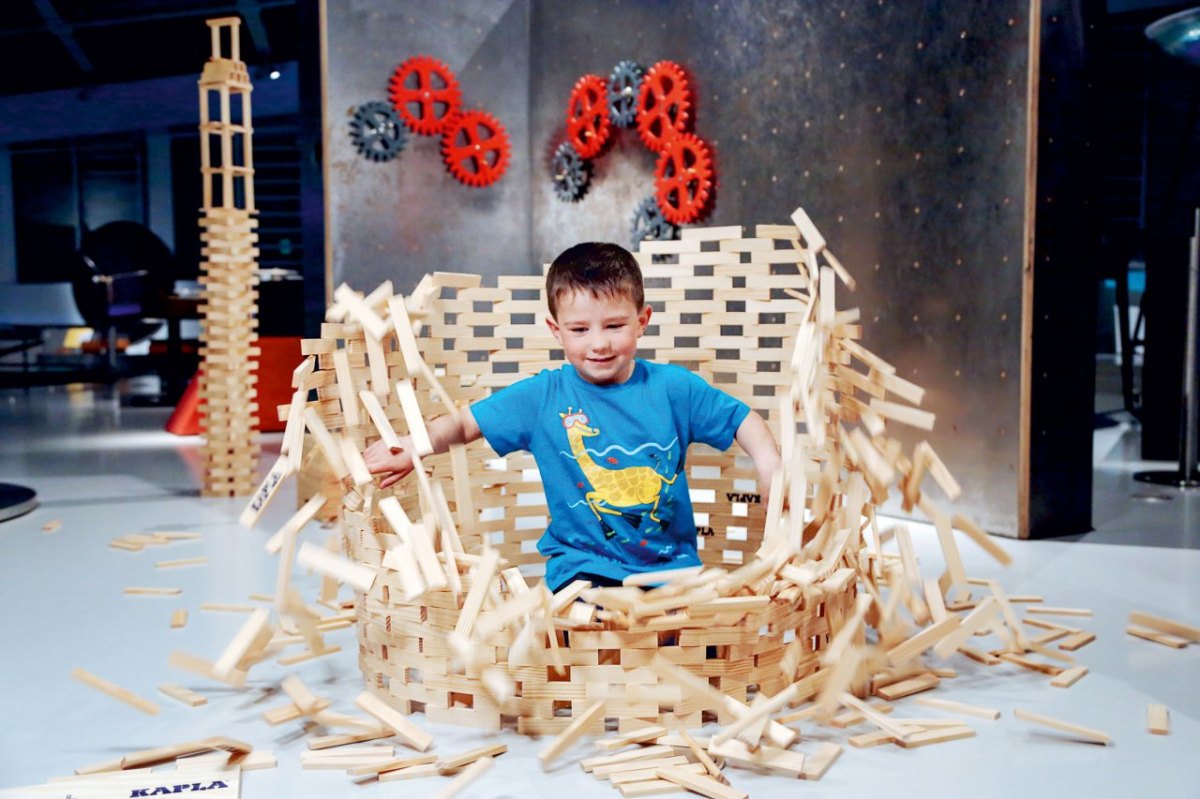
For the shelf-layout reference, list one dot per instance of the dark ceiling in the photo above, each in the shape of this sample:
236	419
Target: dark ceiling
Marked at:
63	44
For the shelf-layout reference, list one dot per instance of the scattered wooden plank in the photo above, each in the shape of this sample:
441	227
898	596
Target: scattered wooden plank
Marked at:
184	695
697	783
1164	625
172	564
643	753
178	618
958	707
466	777
952	733
152	591
408	732
115	691
574	730
1048	611
1166	639
1158	720
913	685
1088	735
1069	677
644	735
454	763
1076	641
322	561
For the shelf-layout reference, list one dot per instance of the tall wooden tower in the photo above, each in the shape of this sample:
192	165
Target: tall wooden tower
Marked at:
228	398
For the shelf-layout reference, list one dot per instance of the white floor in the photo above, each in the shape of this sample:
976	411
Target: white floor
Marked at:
103	471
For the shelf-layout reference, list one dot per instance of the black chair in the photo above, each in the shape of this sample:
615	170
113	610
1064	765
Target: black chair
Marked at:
121	278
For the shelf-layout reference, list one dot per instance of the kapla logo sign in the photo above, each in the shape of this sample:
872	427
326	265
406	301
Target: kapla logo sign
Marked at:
187	787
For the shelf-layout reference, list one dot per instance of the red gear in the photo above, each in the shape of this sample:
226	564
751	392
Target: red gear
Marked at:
588	124
683	179
664	105
427	96
475	148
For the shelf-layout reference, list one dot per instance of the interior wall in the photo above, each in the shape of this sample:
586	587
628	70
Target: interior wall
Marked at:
399	219
899	126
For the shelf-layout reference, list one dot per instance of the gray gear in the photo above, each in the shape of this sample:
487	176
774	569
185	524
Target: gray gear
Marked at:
377	132
650	225
623	86
572	174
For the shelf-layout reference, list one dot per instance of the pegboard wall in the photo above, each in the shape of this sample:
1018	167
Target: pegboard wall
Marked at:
900	126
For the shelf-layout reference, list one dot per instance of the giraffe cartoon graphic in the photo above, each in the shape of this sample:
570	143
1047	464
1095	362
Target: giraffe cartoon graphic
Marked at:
613	489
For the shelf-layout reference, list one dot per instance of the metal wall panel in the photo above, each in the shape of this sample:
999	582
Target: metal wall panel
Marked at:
399	219
899	125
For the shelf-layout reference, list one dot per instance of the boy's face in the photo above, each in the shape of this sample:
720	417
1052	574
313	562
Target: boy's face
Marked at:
599	334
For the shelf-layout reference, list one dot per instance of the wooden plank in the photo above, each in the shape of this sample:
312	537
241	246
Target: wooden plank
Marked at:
913	685
115	691
769	758
481	581
333	454
958	707
1088	735
412	416
574	730
380	419
985	541
409	772
242	642
165	754
174	564
696	783
653	787
178	618
1069	677
324	562
641	753
466	777
644	735
1158	720
452	764
954	733
1164	625
1166	639
922	640
408	732
1048	611
393	764
1077	640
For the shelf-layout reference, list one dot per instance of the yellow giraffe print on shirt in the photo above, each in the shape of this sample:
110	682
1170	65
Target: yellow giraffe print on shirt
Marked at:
612	488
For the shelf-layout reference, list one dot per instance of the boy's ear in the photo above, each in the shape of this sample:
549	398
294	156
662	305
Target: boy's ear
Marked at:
644	319
554	329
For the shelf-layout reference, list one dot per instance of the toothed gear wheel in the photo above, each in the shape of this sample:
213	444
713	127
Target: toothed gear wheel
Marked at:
426	94
571	173
377	132
624	84
588	126
683	179
650	225
476	148
664	105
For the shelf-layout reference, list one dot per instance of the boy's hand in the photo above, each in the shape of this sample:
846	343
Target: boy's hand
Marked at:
394	466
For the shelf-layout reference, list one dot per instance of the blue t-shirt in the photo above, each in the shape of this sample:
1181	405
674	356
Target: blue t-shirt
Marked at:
612	462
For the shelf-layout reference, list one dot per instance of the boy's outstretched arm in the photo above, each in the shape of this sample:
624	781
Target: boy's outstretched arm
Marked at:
444	432
755	438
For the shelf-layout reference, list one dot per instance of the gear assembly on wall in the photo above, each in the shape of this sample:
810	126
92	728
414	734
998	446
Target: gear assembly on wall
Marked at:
426	98
658	103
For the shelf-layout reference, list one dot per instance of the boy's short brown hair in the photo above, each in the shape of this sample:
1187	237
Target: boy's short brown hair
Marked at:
599	268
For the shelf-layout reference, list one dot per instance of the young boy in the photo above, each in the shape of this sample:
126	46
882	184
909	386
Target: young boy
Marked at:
609	431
